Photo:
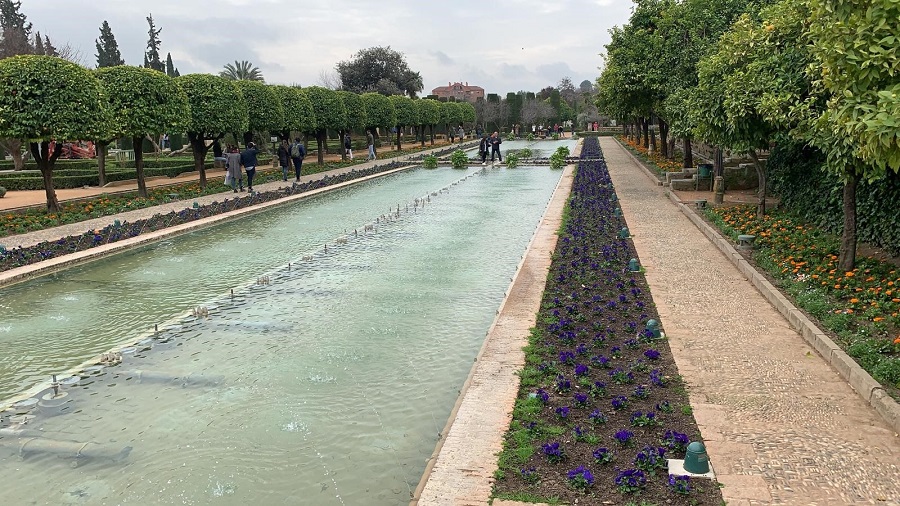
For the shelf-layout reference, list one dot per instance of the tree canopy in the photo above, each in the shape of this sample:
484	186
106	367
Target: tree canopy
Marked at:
330	114
298	111
379	69
108	54
241	71
43	99
379	110
265	111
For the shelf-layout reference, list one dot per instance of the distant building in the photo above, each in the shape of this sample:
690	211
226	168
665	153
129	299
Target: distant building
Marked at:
460	92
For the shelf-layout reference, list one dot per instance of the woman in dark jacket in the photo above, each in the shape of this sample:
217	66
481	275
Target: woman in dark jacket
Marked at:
284	158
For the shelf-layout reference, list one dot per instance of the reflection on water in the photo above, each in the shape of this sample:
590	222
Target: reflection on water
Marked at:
329	385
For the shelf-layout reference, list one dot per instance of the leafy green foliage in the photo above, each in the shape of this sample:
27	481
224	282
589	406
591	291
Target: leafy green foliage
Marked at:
298	110
44	98
468	112
512	160
379	69
265	111
379	110
217	105
108	54
857	51
356	109
430	162
429	111
459	159
407	113
241	71
451	113
143	101
328	108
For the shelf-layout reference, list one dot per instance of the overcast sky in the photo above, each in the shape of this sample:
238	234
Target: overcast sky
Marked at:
500	45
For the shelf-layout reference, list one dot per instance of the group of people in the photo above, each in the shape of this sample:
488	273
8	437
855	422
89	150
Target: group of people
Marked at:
491	143
239	162
548	130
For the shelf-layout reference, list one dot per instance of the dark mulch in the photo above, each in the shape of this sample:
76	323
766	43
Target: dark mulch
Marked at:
590	350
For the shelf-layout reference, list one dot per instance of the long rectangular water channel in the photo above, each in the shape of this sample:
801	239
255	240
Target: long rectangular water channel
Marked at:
327	384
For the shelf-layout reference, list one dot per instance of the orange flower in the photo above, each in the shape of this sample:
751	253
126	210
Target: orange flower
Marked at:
877	319
854	301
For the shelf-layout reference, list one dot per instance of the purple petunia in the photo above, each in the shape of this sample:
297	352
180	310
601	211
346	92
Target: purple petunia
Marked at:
553	452
623	436
631	480
581	399
581	370
580	477
651	354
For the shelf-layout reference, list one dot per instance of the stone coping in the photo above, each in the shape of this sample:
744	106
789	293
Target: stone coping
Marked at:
461	468
860	381
53	265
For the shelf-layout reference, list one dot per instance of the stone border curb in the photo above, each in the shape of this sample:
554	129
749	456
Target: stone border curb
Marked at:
862	382
26	272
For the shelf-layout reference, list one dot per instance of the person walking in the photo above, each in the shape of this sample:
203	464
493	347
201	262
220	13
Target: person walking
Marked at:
348	145
483	147
370	144
249	162
495	146
461	133
284	158
298	153
233	168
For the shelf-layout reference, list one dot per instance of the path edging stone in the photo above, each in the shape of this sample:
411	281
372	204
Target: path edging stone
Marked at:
859	380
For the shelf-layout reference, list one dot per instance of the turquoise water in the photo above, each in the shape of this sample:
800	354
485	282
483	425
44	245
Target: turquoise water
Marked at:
328	385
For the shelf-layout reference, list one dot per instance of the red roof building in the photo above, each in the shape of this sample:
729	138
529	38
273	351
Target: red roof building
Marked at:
460	92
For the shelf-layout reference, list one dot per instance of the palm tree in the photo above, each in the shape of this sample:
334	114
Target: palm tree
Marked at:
242	71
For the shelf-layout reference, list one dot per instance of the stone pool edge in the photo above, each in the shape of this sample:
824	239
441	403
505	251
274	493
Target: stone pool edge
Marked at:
461	468
31	271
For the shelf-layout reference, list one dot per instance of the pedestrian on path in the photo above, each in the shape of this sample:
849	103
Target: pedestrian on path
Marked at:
348	145
370	143
483	147
495	146
249	162
461	133
284	158
298	153
233	168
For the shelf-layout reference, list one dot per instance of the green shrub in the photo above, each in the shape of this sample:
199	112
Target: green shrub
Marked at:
430	162
558	158
459	159
510	136
529	137
526	153
512	160
2	192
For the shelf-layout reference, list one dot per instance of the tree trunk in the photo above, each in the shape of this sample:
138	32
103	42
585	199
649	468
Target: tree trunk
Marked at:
14	148
431	128
671	147
664	138
102	146
688	153
343	148
761	176
645	124
847	259
422	133
199	148
321	145
139	165
45	161
248	138
156	148
399	133
637	132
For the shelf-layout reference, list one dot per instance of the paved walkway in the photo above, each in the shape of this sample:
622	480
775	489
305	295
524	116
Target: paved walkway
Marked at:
781	426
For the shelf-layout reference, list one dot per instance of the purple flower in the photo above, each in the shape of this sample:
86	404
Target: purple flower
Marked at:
623	436
543	396
566	357
580	477
562	384
582	349
640	419
619	402
630	481
641	392
598	388
650	459
581	370
676	441
664	406
680	484
530	475
562	411
601	361
581	399
597	417
553	452
657	379
603	456
651	354
579	433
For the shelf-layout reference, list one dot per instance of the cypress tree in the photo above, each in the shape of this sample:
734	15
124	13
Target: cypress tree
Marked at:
151	57
15	31
170	68
108	54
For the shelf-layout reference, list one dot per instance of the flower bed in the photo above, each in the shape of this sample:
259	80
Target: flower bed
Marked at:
656	161
601	405
18	257
860	307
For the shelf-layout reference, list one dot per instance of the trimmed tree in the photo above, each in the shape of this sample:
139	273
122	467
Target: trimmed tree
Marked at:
265	112
44	99
217	107
407	114
857	56
451	115
467	110
356	114
380	111
330	114
143	102
429	116
298	111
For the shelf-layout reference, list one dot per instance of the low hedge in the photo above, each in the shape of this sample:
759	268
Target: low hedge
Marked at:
68	164
32	180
